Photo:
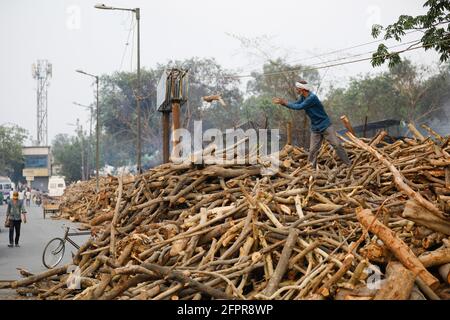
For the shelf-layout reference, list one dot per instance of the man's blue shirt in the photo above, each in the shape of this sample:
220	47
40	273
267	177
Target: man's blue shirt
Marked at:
315	111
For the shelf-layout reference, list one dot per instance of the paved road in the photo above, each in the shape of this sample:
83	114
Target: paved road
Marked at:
34	236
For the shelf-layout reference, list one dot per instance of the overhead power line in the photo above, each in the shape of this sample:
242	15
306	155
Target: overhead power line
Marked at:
336	64
342	50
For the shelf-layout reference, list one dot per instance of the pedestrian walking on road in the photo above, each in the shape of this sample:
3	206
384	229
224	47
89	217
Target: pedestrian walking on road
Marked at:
14	213
28	197
22	196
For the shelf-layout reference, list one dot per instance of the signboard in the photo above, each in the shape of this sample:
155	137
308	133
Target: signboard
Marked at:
172	87
29	178
35	172
161	93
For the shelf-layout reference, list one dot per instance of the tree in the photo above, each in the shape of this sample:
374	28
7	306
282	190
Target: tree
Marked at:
405	92
435	102
207	77
12	138
67	153
435	25
409	82
118	108
119	118
374	97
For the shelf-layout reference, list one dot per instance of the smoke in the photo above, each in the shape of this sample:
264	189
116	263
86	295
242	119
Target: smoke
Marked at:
441	122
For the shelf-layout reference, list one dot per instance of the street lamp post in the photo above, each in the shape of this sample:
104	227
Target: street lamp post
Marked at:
89	151
80	134
137	12
97	129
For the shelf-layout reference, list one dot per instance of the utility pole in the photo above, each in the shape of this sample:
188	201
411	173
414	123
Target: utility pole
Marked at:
97	152
80	136
137	12
166	136
172	93
89	145
138	90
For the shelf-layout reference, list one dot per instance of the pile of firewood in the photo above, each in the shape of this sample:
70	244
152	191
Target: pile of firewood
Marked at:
376	230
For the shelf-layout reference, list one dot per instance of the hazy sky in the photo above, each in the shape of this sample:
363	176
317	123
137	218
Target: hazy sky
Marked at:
74	35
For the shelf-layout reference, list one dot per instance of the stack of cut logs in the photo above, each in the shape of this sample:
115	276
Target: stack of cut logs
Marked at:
376	230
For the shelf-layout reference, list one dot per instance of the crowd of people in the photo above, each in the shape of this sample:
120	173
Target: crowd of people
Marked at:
27	196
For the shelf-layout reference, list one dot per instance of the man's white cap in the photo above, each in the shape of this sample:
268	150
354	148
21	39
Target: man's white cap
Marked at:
302	86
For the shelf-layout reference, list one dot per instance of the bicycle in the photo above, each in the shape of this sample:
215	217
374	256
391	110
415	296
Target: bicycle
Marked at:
55	248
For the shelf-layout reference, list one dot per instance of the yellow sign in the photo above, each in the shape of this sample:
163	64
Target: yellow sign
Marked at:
29	178
35	172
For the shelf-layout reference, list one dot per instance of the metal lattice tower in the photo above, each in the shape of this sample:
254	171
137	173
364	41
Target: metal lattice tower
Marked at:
42	72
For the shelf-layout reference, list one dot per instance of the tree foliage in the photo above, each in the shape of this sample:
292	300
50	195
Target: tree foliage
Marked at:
118	108
404	92
435	25
12	138
67	153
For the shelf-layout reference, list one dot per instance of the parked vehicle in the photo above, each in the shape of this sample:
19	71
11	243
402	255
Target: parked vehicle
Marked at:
56	186
5	187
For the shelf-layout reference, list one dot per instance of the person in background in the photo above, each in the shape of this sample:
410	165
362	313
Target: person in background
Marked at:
14	213
1	198
22	196
38	198
28	197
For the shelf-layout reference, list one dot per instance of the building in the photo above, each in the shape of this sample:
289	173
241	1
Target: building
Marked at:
38	166
393	127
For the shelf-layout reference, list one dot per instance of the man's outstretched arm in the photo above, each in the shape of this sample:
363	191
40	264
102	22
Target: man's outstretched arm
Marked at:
308	102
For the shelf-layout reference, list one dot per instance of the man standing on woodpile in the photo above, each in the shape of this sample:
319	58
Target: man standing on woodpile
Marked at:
321	126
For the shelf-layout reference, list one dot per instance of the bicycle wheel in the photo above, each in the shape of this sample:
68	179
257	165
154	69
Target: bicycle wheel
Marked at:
53	253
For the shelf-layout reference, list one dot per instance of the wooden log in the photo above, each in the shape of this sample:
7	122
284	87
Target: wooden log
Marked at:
215	97
357	293
125	285
325	207
325	288
442	191
38	277
398	284
378	138
435	258
102	218
415	132
77	258
416	294
426	289
112	248
444	271
347	124
282	265
398	178
447	176
303	253
169	273
422	216
289	133
402	252
439	162
356	277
